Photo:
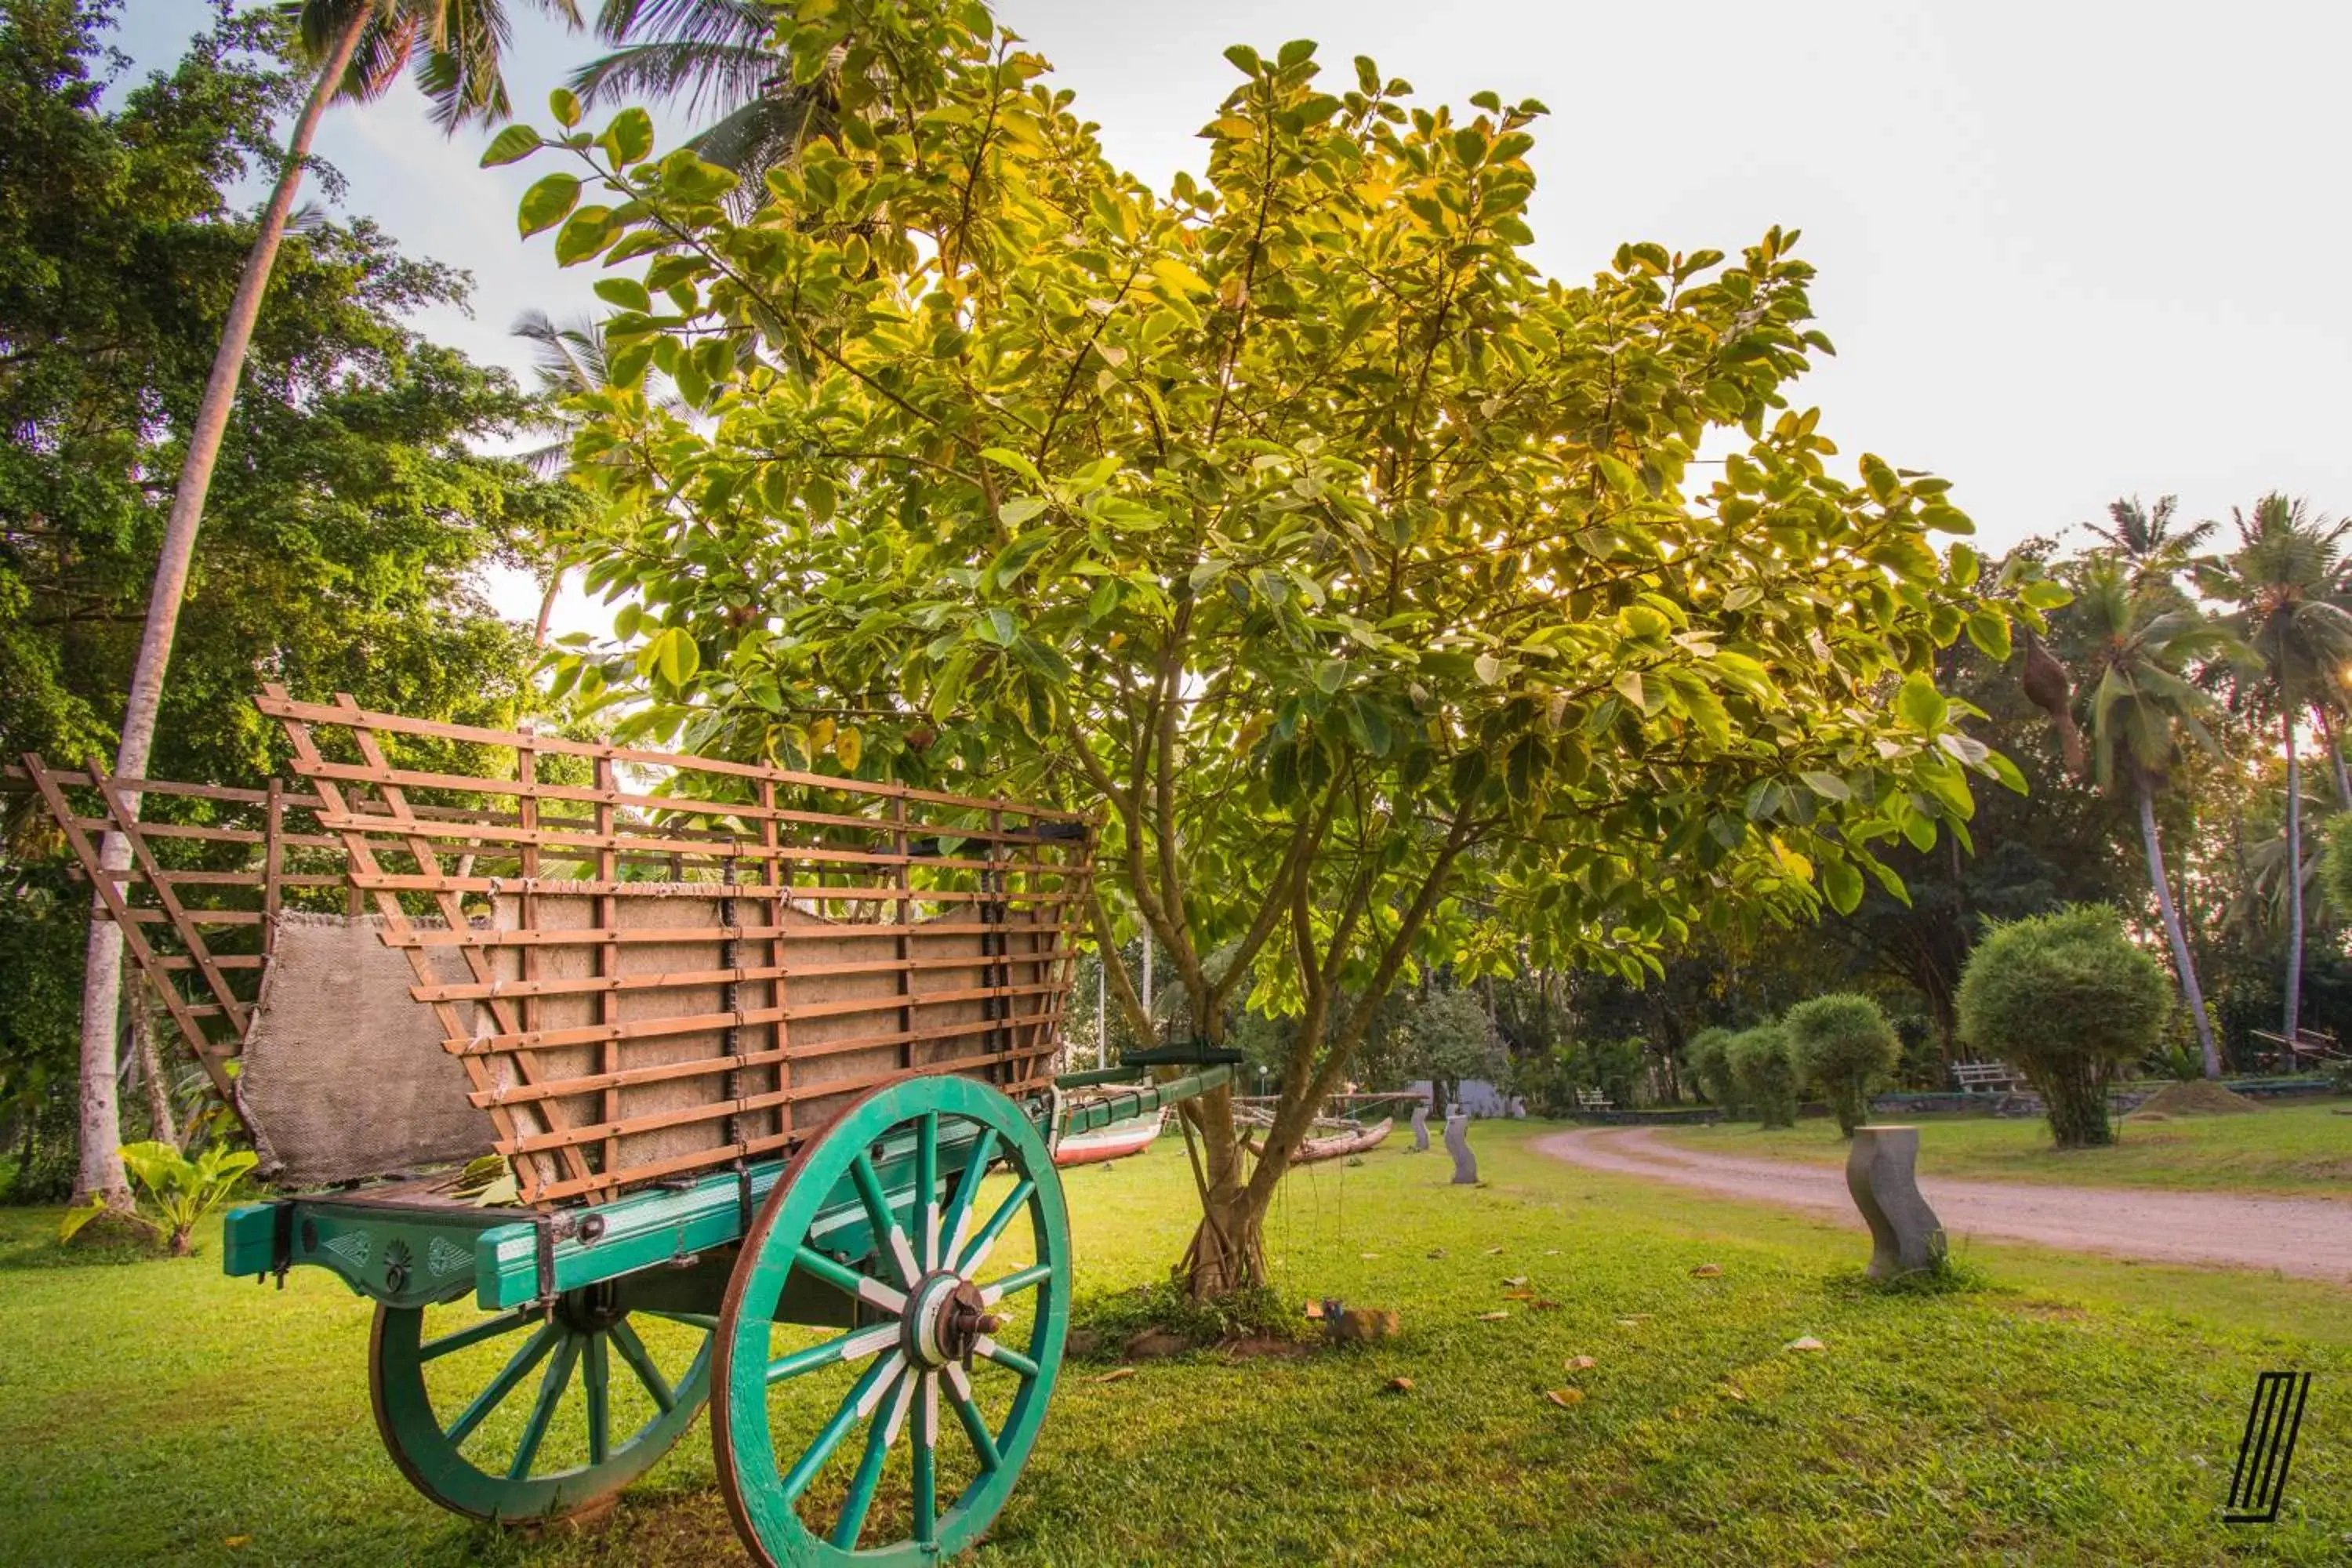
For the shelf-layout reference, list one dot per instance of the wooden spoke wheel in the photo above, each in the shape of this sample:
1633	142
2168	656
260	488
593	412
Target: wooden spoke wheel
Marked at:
954	1310
614	1390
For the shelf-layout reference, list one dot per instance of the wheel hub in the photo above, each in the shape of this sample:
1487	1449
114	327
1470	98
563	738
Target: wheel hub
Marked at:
591	1309
946	1319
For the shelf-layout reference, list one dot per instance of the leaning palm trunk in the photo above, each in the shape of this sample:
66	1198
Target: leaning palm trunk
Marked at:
2181	960
2293	884
101	1173
2336	755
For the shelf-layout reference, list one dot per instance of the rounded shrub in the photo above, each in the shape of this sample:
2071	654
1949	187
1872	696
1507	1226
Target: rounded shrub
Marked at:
1706	1058
1842	1049
1766	1078
2066	998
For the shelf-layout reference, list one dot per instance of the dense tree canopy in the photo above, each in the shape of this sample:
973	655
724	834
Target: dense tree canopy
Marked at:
1293	515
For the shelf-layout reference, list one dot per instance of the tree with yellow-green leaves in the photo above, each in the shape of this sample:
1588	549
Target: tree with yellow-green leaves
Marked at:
1366	578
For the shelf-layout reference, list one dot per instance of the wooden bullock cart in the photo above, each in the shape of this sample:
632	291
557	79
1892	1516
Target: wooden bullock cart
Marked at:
767	1060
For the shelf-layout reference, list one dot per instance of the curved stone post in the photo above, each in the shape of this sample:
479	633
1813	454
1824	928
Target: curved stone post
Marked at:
1882	1173
1457	1143
1421	1127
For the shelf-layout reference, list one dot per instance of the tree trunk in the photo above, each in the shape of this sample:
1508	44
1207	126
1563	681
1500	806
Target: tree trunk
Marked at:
2181	958
1228	1248
2336	755
101	1173
161	1125
2293	884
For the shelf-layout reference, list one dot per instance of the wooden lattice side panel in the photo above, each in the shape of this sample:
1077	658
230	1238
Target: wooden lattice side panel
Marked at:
654	966
210	868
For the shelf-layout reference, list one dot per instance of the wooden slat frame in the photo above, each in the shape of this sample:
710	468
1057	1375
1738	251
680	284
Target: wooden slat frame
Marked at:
208	994
948	880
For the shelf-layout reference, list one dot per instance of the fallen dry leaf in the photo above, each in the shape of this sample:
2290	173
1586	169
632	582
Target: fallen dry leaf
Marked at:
1565	1397
1115	1374
1582	1364
1400	1385
1494	1252
1368	1255
1541	1305
1436	1252
1806	1343
1491	1317
233	1541
1707	1271
1731	1392
1515	1281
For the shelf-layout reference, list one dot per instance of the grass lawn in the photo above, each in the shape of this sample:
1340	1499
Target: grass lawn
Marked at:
2304	1149
2074	1411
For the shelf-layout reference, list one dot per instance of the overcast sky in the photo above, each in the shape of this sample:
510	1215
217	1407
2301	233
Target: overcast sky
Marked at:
2068	250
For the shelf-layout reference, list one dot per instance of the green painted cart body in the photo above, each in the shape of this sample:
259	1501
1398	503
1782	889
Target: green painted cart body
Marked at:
811	1238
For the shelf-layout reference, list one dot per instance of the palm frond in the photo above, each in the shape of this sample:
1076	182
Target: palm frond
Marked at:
720	77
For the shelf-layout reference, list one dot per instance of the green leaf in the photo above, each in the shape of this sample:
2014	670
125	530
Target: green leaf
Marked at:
1020	510
1919	704
564	106
1842	883
627	292
1989	629
548	203
676	656
1829	786
1005	458
511	145
1628	684
630	137
584	234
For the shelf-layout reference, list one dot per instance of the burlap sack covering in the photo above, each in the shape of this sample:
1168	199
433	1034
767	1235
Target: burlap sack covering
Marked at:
824	1049
345	1074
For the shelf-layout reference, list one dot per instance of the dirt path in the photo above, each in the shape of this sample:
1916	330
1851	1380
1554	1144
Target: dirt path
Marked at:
2310	1238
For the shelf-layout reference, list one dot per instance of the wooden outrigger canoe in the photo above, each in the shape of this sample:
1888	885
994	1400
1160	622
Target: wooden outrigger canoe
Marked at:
1115	1142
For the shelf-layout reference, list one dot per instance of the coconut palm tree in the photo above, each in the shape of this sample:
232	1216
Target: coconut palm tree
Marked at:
2148	540
714	55
2141	704
356	49
2286	579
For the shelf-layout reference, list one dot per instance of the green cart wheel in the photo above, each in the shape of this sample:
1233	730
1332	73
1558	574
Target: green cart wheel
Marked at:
446	1409
932	1301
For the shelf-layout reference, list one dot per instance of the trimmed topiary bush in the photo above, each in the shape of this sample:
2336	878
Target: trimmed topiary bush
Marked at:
1767	1080
2066	998
1842	1049
1707	1059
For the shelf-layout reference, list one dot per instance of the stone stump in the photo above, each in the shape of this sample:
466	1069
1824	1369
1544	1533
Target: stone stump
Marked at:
1457	1143
1882	1173
1421	1128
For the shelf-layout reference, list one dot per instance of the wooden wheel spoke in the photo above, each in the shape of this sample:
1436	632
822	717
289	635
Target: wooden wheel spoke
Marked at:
475	1334
855	1408
927	1443
842	1277
495	1391
848	1347
926	1192
958	1215
632	1350
1013	1284
1011	1360
552	1385
707	1322
889	1236
879	1436
977	1253
595	1381
975	1425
